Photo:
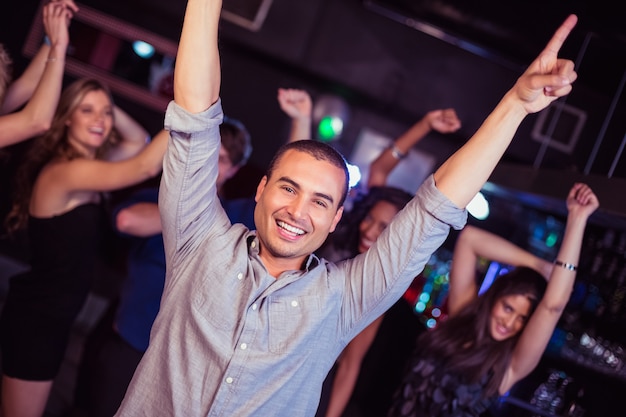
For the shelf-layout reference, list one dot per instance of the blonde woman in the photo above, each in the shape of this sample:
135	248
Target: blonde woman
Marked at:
61	189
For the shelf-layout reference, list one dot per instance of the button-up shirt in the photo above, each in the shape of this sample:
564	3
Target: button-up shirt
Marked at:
232	340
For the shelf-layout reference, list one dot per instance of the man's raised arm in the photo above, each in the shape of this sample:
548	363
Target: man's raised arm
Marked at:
197	72
545	80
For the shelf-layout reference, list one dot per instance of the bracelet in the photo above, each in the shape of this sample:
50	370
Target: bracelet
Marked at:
397	153
569	267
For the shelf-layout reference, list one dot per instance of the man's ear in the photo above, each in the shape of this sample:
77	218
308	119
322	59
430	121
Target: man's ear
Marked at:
260	188
336	219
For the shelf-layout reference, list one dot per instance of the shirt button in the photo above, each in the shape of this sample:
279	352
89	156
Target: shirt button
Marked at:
240	276
254	306
294	303
253	245
229	380
244	346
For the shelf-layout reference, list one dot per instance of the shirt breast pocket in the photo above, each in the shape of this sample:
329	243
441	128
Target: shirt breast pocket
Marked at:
293	321
219	304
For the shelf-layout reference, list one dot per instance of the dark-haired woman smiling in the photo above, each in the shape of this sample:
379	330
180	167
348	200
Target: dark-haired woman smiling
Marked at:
490	342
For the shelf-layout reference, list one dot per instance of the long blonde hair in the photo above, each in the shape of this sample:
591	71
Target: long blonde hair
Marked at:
53	144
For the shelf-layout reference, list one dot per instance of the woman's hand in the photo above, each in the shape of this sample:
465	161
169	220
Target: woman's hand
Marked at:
57	16
581	200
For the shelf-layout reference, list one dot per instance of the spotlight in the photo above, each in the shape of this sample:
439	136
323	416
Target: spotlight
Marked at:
479	207
355	175
143	49
330	115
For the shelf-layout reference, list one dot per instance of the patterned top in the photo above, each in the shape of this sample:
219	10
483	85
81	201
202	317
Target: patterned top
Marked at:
429	390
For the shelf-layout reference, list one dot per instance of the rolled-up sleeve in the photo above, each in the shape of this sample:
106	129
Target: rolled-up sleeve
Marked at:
188	199
376	279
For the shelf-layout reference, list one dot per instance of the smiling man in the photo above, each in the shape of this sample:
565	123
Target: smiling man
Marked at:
251	321
299	202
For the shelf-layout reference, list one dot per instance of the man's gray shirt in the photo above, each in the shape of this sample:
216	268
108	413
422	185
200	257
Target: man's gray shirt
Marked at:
232	340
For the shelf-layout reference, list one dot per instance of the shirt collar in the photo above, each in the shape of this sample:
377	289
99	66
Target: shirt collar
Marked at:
253	247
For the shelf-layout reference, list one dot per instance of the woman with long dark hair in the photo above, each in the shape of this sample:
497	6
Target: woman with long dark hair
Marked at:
490	342
356	232
60	192
371	213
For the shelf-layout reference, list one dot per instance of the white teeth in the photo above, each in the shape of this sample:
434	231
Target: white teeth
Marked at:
96	129
291	228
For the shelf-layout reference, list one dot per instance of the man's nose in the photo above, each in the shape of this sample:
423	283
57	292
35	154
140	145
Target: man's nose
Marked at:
298	207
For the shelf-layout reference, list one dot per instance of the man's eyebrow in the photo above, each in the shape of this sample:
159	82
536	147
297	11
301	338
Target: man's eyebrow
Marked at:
295	185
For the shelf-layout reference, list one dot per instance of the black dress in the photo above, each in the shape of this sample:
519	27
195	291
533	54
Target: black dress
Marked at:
430	390
43	303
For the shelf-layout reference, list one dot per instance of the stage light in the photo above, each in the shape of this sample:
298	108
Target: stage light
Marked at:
143	49
329	128
552	239
355	175
479	207
330	116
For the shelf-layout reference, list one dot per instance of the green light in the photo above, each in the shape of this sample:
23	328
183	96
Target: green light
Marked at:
551	239
329	128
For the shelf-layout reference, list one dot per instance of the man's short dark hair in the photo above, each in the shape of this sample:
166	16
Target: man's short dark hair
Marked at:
236	140
320	151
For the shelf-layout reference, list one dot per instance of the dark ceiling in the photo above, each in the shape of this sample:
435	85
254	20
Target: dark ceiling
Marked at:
394	60
509	30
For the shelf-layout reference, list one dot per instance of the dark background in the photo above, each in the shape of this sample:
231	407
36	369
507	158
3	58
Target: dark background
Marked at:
392	73
394	60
